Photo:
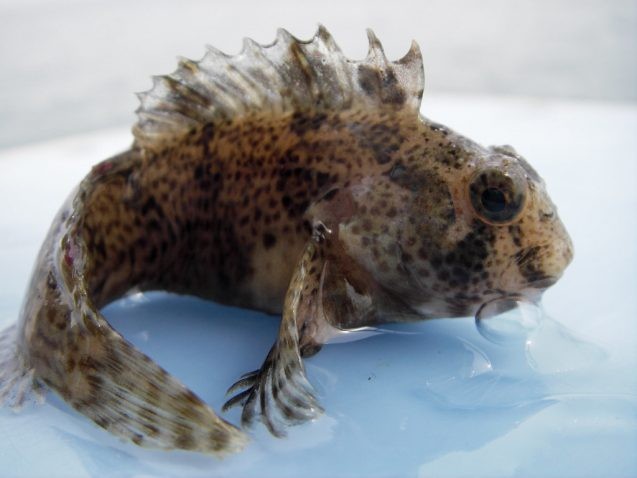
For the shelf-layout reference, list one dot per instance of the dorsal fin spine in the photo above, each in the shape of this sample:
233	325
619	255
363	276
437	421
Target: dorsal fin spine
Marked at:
287	76
375	52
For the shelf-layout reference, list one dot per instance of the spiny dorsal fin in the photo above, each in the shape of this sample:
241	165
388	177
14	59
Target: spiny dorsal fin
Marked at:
285	76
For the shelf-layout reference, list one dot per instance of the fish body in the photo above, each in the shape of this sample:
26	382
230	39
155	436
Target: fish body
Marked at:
287	179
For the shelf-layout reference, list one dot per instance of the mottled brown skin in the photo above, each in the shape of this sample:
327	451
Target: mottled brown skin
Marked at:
335	219
223	214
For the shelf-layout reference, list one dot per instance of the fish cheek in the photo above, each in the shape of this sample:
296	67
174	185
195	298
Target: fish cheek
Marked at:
434	213
432	206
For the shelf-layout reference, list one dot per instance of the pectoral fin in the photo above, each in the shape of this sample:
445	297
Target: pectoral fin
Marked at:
279	391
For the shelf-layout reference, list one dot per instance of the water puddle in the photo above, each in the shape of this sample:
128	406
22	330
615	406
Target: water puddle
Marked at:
549	346
523	356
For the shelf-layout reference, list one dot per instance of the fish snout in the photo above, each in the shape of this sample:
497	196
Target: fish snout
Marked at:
542	266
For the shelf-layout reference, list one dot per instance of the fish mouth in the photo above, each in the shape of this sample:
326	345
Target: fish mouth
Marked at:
532	291
542	283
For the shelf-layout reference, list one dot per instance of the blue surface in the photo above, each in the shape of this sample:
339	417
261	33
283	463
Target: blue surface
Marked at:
428	399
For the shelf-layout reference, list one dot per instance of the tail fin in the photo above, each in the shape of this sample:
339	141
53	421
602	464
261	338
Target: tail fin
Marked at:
63	341
17	382
125	392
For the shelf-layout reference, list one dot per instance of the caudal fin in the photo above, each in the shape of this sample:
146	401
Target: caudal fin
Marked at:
125	392
122	390
17	382
100	374
63	341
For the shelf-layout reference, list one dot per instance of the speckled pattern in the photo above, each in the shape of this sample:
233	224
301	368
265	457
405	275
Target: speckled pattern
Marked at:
288	179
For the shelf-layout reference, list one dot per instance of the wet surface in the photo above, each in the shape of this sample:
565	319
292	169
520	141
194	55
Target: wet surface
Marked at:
549	393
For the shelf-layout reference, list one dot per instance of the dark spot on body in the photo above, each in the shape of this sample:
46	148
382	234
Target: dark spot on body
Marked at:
152	205
184	441
301	123
207	133
269	240
219	439
199	172
321	179
516	234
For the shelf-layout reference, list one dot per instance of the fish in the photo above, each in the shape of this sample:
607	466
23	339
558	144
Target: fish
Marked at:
288	179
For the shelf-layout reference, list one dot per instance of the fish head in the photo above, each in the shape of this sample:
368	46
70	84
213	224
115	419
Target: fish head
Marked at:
485	228
452	225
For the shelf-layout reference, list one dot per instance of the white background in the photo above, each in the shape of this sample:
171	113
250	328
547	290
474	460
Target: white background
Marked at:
556	79
70	66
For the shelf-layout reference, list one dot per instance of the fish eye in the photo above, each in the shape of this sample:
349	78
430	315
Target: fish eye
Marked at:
493	200
497	196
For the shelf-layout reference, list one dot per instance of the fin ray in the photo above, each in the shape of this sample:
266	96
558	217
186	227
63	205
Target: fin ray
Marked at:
286	76
136	399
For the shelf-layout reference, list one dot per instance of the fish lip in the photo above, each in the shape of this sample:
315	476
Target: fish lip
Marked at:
543	283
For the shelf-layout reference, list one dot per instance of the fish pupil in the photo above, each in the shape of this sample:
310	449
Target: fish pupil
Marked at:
493	200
